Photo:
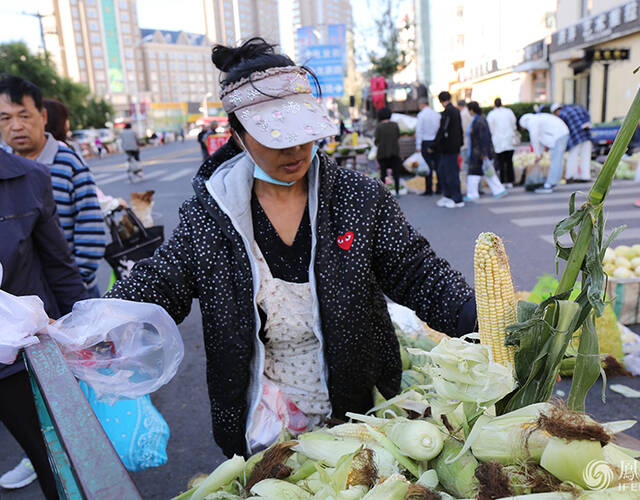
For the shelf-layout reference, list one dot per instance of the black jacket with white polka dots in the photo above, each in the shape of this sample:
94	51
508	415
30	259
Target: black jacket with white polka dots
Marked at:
206	259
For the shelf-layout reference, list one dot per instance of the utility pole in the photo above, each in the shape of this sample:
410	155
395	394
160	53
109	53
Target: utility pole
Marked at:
39	16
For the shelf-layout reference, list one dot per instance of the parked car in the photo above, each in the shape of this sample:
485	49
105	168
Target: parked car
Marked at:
84	136
106	135
603	135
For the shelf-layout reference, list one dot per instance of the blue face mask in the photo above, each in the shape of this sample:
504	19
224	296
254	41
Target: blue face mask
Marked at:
258	173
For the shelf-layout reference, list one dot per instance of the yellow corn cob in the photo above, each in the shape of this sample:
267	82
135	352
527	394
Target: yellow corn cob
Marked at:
495	298
352	430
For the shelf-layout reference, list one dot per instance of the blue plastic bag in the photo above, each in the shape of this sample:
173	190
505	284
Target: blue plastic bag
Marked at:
136	429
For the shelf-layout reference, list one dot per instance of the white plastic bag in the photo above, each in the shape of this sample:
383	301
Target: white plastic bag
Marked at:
122	349
415	163
20	319
372	153
488	168
274	409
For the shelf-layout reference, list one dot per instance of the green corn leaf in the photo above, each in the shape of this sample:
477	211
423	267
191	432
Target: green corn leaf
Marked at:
612	236
564	227
587	366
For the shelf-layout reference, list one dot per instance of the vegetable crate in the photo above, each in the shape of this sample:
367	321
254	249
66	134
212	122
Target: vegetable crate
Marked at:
82	458
625	296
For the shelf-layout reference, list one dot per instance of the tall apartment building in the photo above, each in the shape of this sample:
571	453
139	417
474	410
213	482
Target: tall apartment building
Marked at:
177	66
97	42
423	39
320	14
230	21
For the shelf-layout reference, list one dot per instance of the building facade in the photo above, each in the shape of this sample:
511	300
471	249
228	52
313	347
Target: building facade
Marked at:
422	10
177	66
477	45
593	54
230	21
97	42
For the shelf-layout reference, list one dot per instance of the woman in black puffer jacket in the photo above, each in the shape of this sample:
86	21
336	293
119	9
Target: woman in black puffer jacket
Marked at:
291	258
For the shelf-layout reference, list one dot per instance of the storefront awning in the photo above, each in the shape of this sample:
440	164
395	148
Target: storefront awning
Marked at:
529	66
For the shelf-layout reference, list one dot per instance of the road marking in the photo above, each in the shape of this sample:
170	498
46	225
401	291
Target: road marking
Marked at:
154	154
113	179
538	207
553	219
116	178
178	174
628	234
102	176
154	174
512	198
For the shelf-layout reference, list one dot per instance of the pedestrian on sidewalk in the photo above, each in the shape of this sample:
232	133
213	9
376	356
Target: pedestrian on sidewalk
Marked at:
449	140
481	156
504	134
387	139
465	120
547	132
22	125
578	120
100	150
35	259
426	131
291	258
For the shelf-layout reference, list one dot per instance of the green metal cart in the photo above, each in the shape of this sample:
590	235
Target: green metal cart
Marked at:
83	460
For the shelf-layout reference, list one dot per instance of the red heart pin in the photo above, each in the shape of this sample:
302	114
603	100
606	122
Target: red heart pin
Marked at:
345	240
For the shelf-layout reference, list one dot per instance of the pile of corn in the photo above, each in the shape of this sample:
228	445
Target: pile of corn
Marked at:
440	437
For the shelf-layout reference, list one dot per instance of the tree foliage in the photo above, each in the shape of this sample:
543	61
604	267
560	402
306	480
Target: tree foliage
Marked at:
393	59
85	110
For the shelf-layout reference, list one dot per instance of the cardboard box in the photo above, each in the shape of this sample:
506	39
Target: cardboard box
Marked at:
625	296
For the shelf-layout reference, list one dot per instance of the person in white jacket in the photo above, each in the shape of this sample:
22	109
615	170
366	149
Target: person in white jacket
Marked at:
426	131
547	131
503	126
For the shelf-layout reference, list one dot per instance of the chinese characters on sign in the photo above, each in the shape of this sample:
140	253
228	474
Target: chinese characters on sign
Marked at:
328	60
598	28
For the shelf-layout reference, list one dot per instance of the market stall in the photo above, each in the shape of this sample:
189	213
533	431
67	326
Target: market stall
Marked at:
476	419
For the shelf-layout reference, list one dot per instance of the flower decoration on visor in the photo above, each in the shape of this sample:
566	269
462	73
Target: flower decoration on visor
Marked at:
278	100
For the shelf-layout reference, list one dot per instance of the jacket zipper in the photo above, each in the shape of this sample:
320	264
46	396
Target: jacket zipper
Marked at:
255	275
17	216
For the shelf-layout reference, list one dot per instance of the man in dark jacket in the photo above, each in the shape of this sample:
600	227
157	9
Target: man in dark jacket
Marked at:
448	142
36	260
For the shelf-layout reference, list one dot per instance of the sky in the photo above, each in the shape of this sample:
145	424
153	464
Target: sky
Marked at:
165	14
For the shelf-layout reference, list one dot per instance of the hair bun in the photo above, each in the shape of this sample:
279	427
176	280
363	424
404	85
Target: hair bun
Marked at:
225	58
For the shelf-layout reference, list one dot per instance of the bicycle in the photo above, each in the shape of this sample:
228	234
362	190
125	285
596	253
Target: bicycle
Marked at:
134	169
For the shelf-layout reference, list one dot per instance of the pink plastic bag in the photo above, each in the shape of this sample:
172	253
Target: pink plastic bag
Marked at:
274	409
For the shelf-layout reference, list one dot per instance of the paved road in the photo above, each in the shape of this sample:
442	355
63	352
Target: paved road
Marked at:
524	220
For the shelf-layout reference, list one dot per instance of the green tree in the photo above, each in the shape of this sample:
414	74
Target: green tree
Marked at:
393	59
85	110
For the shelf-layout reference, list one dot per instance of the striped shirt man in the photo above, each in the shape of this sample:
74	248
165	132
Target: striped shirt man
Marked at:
74	191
